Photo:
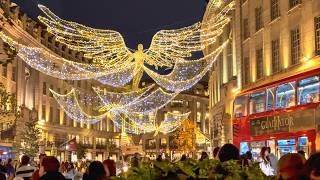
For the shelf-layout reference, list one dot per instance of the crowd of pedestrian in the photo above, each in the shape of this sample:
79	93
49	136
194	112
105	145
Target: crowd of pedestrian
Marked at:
49	168
291	166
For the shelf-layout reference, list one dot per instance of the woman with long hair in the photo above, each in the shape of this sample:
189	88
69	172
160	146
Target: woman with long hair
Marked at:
96	171
264	162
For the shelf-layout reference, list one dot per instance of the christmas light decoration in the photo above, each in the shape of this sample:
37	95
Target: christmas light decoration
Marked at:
185	73
116	65
113	63
69	103
139	124
55	66
112	99
150	103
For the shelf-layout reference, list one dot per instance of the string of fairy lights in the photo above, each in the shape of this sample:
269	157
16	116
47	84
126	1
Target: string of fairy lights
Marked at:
116	65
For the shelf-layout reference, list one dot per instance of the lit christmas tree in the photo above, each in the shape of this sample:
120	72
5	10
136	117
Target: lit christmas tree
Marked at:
29	139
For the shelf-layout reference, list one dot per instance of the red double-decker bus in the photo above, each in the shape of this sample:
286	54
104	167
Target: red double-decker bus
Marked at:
284	115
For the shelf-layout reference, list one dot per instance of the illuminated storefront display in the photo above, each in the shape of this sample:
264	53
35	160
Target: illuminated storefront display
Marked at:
283	115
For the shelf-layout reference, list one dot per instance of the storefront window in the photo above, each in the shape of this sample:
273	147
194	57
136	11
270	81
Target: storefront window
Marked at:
257	102
240	106
285	95
308	90
270	99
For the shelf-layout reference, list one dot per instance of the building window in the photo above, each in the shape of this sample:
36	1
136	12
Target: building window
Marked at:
240	106
317	35
275	12
293	3
13	75
43	113
246	32
270	98
259	20
275	56
309	90
246	70
198	105
295	46
51	114
256	102
198	116
4	71
259	63
285	95
58	116
44	88
51	87
65	119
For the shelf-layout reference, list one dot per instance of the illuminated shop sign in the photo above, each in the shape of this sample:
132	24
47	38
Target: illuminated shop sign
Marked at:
286	122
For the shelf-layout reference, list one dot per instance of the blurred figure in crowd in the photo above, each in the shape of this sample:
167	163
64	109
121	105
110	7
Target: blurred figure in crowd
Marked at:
303	154
2	167
204	156
25	170
70	172
264	162
111	167
246	159
35	175
10	169
159	158
215	152
49	169
313	167
291	166
228	152
273	160
183	157
96	171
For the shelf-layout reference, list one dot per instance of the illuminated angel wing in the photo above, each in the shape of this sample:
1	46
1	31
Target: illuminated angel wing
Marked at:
103	46
53	65
167	46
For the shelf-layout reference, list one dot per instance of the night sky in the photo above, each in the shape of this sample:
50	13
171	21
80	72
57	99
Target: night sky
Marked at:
136	20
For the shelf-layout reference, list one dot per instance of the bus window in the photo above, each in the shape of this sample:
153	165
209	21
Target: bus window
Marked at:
270	99
285	95
256	102
308	90
240	106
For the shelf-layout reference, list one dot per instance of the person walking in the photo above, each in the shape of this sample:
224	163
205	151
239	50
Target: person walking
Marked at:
49	169
25	170
291	166
264	162
10	169
35	175
228	152
204	156
312	167
215	152
96	171
273	160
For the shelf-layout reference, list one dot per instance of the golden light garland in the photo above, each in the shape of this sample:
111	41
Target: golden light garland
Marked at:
116	65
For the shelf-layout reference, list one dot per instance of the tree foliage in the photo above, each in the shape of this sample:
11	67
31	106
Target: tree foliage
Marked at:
30	138
11	54
8	101
81	151
193	169
184	137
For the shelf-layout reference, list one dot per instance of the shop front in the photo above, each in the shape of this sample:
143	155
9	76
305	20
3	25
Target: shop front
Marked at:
285	132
